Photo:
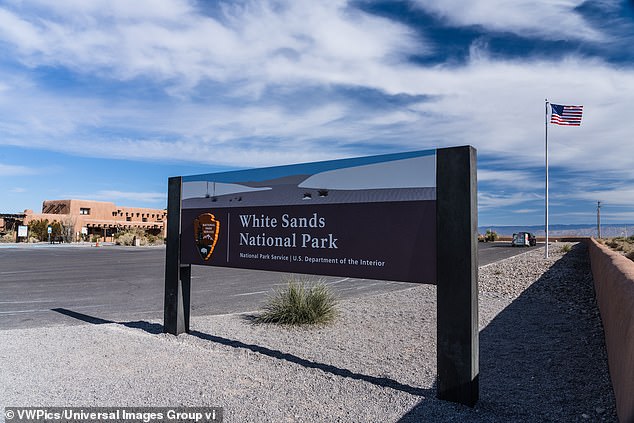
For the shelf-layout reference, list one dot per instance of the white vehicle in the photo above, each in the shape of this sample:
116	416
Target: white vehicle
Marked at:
523	239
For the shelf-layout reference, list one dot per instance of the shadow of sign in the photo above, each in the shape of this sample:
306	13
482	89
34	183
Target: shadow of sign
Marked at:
151	328
155	329
542	358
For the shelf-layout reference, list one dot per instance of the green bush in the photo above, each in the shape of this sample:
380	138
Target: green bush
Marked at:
491	236
300	303
39	229
566	248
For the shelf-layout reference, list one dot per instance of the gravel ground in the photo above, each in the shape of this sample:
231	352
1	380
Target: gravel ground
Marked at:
542	358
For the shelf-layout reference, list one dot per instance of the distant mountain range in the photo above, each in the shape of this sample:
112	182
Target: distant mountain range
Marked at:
607	230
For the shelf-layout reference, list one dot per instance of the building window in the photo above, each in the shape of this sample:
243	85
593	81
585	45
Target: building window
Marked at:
144	219
114	214
84	211
128	219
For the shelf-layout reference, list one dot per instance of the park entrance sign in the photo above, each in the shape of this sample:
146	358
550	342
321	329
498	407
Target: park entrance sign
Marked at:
369	217
405	217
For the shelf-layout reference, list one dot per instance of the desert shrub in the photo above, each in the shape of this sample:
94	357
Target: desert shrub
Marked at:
300	303
127	237
621	244
566	248
38	229
491	235
8	237
124	238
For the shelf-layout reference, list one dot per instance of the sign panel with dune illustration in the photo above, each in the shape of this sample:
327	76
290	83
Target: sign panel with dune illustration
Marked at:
368	217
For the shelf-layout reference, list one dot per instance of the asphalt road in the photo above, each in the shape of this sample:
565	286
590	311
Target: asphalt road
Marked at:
490	252
38	285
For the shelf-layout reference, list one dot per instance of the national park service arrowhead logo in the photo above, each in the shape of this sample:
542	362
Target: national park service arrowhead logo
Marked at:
206	230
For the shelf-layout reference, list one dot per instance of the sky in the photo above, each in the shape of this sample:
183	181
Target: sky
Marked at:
106	99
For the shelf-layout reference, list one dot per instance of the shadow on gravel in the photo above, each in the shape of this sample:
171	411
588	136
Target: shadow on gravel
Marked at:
379	381
542	358
152	328
155	329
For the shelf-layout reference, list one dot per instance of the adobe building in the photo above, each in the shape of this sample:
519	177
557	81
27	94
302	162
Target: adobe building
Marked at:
10	221
100	218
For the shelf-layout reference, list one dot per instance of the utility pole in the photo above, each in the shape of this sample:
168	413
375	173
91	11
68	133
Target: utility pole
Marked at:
599	219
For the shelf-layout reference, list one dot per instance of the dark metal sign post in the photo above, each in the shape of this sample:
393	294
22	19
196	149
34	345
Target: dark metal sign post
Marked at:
457	280
177	275
325	218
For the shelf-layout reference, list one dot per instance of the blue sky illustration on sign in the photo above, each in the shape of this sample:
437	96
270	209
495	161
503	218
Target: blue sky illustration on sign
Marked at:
105	99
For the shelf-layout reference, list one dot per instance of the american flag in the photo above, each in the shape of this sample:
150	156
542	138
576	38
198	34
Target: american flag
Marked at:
566	115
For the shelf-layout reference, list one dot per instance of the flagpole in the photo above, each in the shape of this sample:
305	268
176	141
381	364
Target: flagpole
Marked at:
546	148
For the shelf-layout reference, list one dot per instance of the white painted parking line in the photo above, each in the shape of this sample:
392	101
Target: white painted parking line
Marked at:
249	293
41	310
14	272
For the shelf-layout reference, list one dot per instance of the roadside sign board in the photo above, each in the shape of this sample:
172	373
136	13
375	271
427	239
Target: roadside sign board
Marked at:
23	231
50	229
406	216
371	217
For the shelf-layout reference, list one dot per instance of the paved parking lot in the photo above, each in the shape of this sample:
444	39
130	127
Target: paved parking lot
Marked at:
126	284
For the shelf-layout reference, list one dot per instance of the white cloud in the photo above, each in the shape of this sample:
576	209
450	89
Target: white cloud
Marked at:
519	179
548	19
491	201
118	196
13	170
257	42
257	54
497	106
527	211
19	32
612	196
609	216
